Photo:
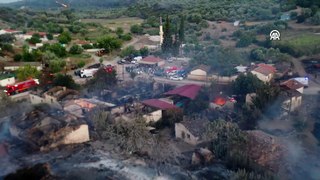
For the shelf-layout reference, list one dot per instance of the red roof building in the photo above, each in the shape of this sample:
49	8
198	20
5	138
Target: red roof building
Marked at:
42	34
189	91
156	103
265	69
152	60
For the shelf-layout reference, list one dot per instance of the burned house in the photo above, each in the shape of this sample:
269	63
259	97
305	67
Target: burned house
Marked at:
155	109
191	130
43	131
291	95
79	107
53	96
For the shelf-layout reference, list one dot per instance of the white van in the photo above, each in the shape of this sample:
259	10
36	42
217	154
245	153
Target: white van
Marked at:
85	73
303	80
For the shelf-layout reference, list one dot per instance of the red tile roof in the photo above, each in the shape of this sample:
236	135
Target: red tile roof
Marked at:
156	103
219	101
152	59
189	91
10	30
292	84
40	33
265	69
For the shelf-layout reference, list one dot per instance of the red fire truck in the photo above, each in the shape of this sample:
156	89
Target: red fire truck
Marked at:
21	86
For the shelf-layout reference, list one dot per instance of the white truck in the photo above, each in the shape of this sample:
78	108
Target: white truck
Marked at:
86	73
303	80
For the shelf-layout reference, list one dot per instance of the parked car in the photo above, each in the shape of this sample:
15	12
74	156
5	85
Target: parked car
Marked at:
85	73
94	66
77	72
120	62
176	78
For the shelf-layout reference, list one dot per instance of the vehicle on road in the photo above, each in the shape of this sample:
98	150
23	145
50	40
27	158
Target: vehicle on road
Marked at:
86	73
303	80
21	87
176	78
94	66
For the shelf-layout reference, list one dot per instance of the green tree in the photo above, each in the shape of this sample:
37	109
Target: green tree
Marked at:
64	37
167	37
200	103
144	51
58	50
65	80
130	50
76	49
17	57
87	46
50	36
125	37
181	29
136	29
102	80
27	72
119	31
109	43
81	64
6	38
245	84
35	39
225	137
316	19
57	65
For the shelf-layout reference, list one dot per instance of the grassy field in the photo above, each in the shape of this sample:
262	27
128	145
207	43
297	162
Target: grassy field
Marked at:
307	44
125	23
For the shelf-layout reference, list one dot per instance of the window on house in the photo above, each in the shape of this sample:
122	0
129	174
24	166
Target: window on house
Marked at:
51	100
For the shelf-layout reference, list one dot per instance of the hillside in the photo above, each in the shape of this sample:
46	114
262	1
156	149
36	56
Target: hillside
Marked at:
77	4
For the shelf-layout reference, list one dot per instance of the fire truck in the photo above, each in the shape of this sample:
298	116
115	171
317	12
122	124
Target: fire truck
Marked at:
21	86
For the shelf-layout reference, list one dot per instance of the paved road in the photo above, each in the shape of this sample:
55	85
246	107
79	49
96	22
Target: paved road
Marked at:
314	85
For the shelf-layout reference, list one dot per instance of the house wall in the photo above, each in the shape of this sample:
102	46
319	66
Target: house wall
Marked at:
249	98
34	99
7	81
14	68
153	117
79	135
182	133
161	63
198	72
197	78
223	79
295	103
262	77
52	101
119	109
300	90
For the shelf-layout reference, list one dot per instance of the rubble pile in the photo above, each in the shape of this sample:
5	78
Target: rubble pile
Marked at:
266	150
44	131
